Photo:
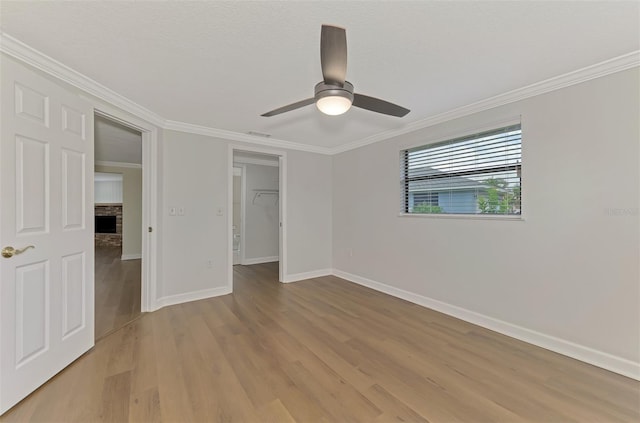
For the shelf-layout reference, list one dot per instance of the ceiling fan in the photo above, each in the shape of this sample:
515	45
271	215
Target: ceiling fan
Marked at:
334	96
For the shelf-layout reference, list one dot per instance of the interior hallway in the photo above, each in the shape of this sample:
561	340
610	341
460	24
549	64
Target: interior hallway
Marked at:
117	292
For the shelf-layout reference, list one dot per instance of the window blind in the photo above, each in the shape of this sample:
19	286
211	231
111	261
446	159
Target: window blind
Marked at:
475	174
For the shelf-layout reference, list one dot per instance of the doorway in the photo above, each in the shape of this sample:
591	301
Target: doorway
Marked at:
118	225
257	222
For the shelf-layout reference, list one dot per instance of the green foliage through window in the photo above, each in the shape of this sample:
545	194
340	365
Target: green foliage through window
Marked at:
500	198
426	208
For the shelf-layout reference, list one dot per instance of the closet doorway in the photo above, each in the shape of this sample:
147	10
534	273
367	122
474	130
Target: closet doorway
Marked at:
256	217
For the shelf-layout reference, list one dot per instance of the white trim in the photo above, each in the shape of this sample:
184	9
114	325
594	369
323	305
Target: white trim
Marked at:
33	57
478	216
243	212
125	257
230	219
248	160
617	64
118	164
259	260
282	209
308	275
191	296
570	349
38	60
236	136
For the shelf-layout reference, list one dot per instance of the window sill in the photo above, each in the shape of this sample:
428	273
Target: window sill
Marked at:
516	218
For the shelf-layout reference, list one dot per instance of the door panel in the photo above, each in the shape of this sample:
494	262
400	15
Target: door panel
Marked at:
32	185
32	311
46	201
73	282
31	105
73	189
73	121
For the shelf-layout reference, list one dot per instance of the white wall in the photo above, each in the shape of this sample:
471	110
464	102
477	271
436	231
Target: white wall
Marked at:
262	216
309	213
194	176
131	208
569	270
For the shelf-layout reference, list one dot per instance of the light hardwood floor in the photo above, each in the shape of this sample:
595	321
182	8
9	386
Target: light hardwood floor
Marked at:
117	290
322	350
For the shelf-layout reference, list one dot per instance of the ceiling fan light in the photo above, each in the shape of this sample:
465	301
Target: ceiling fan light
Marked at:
333	105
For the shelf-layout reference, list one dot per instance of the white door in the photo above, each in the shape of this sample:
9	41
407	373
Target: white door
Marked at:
46	200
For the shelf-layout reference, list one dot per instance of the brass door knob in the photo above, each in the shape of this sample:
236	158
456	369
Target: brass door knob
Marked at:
8	252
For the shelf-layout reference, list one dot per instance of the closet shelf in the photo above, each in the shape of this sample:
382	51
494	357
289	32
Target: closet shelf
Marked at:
260	192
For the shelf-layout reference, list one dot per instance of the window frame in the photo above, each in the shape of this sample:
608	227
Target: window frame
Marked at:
404	180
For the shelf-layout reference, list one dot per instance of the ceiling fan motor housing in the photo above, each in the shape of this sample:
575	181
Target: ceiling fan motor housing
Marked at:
322	89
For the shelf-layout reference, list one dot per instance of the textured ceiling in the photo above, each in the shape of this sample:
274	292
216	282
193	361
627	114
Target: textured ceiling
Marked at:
222	64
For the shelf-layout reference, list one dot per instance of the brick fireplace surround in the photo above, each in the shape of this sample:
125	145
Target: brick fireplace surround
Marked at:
110	240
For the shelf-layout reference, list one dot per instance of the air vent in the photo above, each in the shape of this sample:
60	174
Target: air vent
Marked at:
259	134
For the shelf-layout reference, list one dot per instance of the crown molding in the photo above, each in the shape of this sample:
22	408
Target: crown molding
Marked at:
236	136
27	54
598	70
41	61
38	60
118	164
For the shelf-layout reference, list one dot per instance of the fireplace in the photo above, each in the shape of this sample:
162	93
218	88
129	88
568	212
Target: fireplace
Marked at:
108	228
106	225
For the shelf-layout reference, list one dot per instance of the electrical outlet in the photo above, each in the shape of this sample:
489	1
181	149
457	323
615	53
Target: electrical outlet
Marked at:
172	211
180	211
209	264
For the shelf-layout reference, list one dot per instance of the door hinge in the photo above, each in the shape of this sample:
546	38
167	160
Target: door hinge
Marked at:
150	229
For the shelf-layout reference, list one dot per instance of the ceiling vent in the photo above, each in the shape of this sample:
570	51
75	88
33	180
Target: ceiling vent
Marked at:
259	134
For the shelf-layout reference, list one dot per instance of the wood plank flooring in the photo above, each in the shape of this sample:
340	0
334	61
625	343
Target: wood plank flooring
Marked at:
117	290
322	350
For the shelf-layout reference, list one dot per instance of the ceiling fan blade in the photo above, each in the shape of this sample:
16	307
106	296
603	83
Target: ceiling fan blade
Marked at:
333	54
290	107
377	105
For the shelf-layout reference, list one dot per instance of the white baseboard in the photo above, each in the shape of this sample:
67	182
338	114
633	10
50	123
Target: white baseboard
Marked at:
131	257
258	260
579	352
191	296
307	275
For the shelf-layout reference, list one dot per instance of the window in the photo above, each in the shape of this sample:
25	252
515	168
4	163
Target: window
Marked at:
476	174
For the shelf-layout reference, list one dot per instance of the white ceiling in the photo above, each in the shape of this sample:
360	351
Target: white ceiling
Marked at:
221	64
116	143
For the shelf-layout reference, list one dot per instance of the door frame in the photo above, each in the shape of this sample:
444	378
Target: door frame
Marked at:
282	202
243	211
149	199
